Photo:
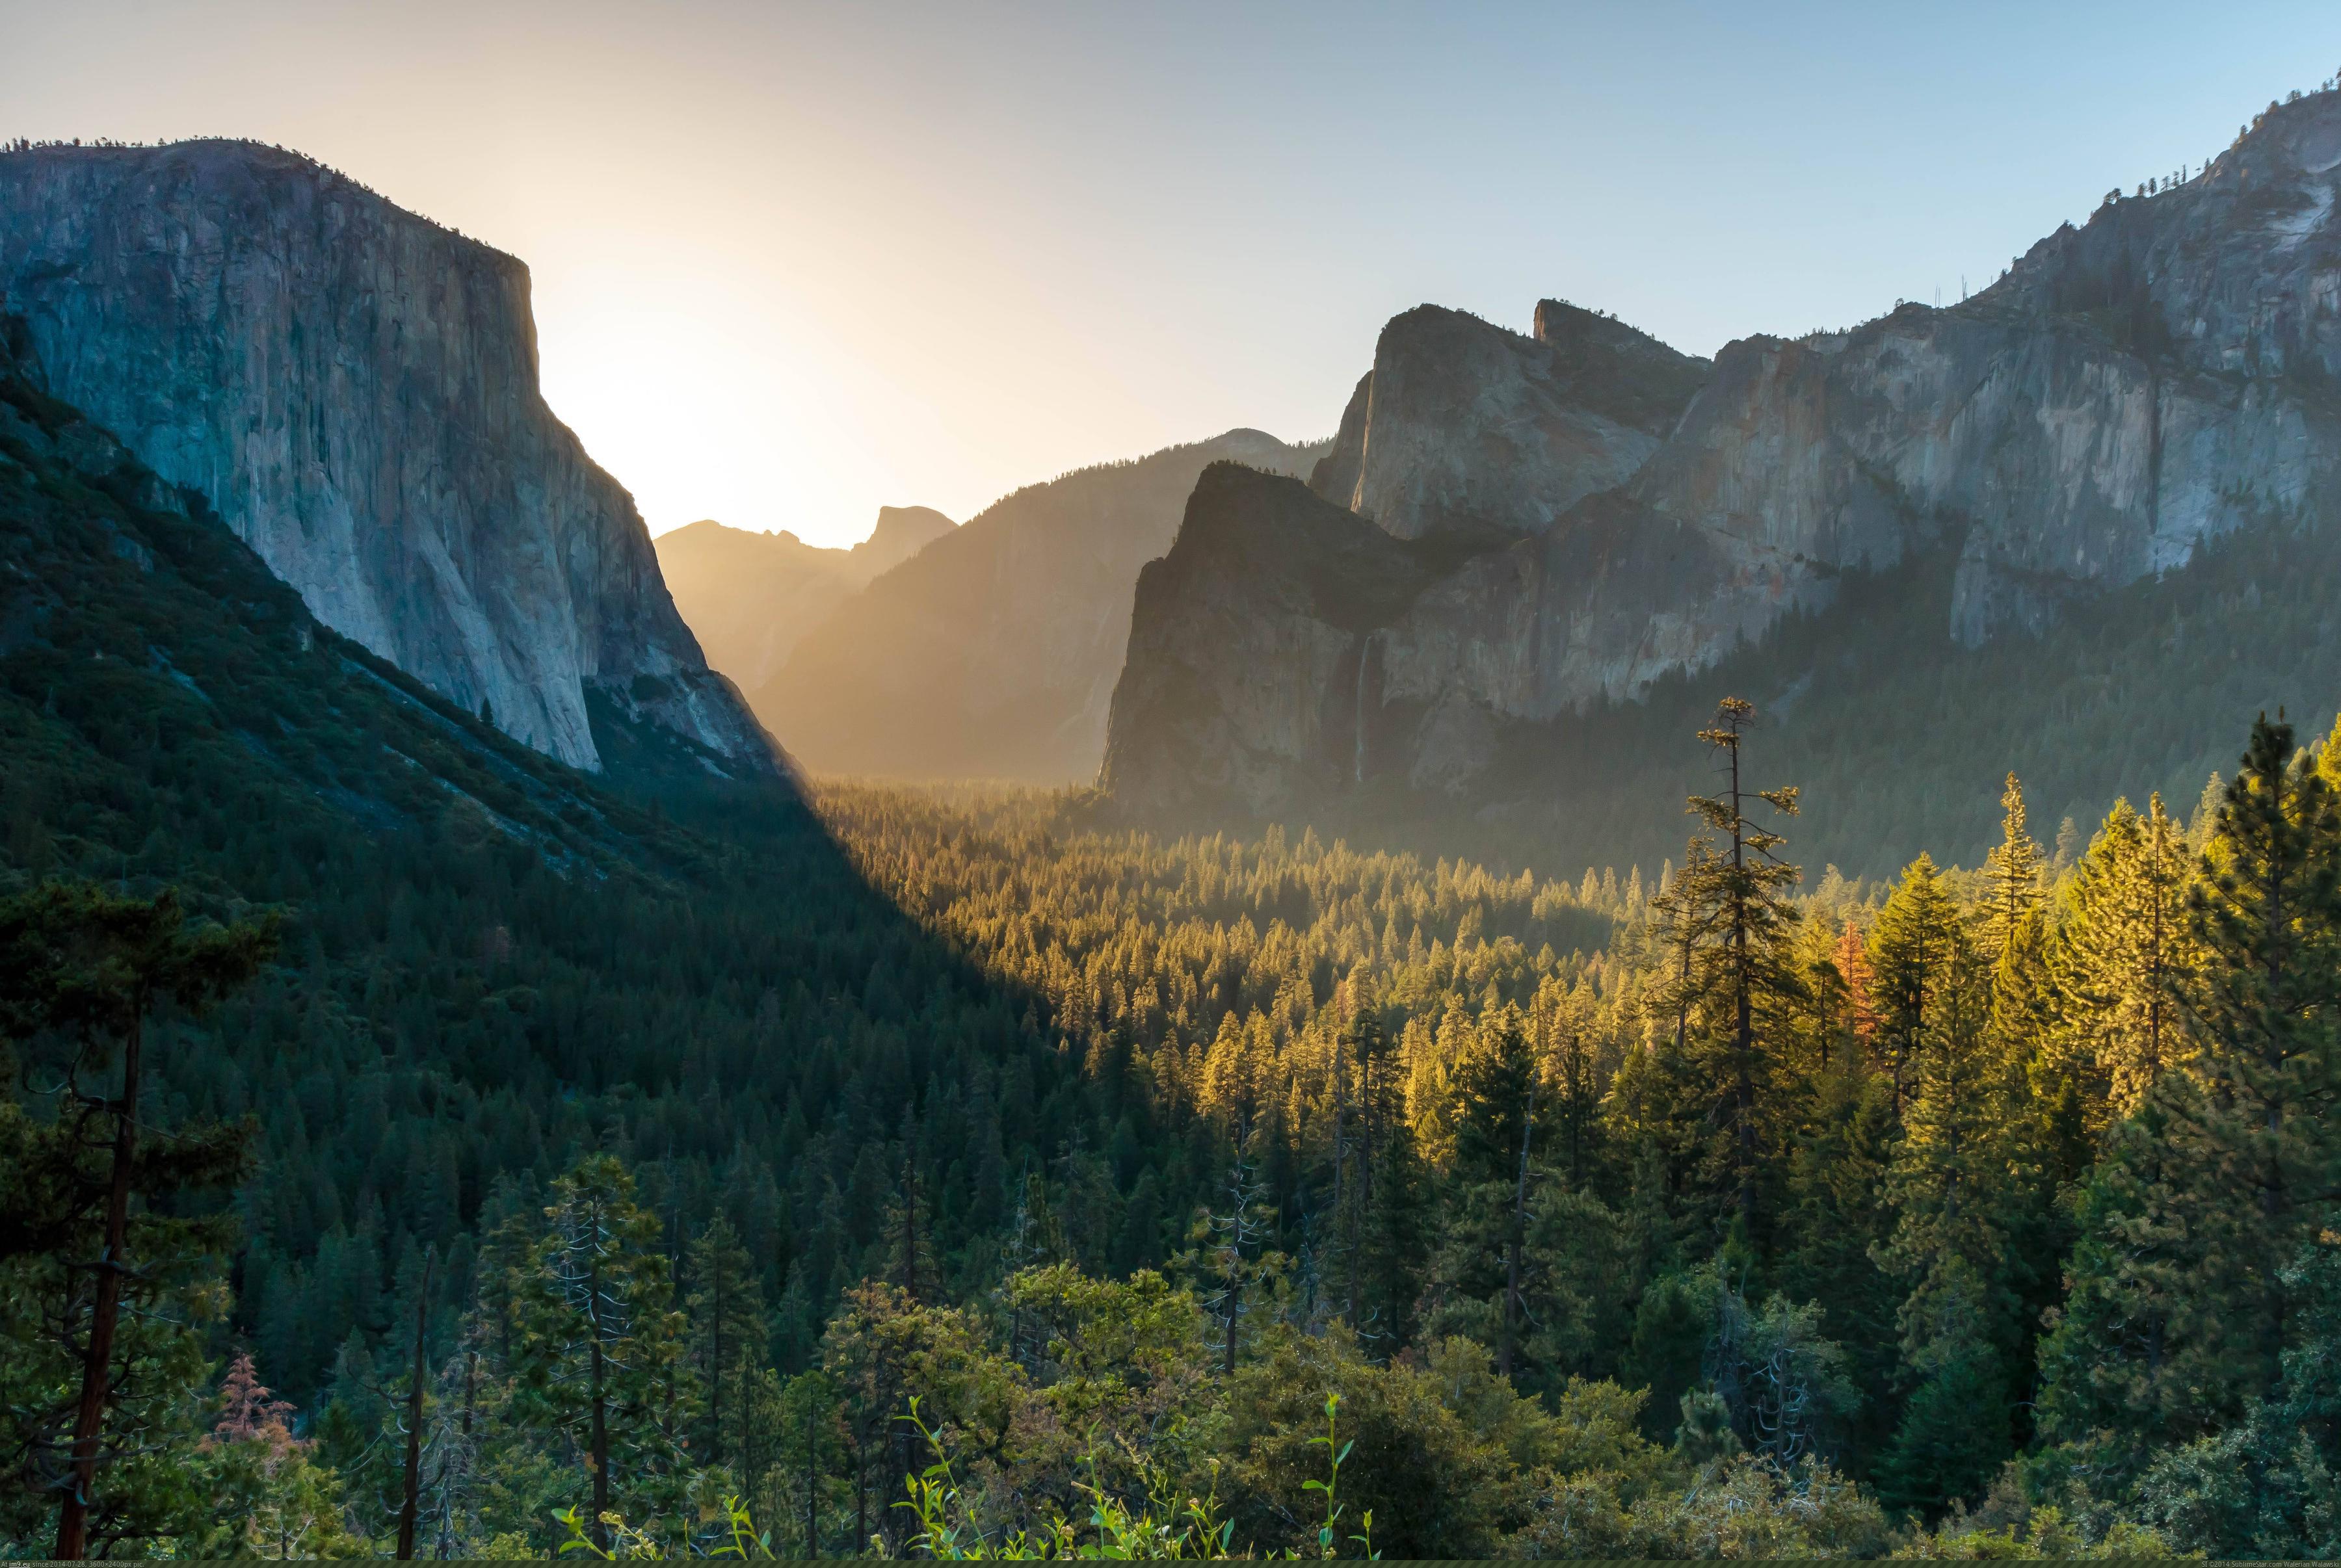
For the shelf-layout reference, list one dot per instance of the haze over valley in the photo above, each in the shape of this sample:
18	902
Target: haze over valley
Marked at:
742	895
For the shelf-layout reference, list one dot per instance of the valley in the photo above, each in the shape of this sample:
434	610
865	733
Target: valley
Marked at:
1638	955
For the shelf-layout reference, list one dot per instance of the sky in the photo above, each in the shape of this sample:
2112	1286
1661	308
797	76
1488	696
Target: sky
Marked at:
795	261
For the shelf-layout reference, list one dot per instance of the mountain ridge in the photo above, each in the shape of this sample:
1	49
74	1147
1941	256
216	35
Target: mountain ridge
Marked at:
353	388
749	597
994	650
2134	390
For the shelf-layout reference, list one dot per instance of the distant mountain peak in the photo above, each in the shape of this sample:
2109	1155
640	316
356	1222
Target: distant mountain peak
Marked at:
900	532
993	652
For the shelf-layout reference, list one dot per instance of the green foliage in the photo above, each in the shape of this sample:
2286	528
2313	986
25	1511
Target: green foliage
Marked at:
104	1288
783	1154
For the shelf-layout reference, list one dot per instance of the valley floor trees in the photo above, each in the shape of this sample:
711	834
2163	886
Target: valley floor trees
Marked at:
1717	1211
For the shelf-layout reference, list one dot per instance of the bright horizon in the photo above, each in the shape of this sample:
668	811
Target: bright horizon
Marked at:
791	265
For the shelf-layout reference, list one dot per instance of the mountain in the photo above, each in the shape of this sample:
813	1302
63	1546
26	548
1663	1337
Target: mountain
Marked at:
490	960
749	597
1461	425
993	652
353	388
2138	394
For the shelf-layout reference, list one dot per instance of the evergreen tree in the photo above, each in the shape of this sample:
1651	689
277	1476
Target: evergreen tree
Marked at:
2265	1003
600	1357
1950	1189
1483	1264
1851	960
2177	1310
727	1340
1236	1256
107	1281
1955	1429
2117	959
2011	881
1911	949
1749	967
809	1450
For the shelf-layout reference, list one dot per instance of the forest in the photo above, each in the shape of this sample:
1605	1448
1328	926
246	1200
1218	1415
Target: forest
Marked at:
1973	1212
413	1148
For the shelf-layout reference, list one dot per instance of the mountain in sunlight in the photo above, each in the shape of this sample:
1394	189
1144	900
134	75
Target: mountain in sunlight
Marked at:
352	387
749	598
994	650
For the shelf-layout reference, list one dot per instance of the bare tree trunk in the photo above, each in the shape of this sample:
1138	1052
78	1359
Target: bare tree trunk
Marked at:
411	1483
861	1497
812	1522
601	1430
1340	1214
715	1378
1228	1365
106	1310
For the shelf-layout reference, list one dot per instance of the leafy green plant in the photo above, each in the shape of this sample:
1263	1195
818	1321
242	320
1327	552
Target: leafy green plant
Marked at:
1336	1451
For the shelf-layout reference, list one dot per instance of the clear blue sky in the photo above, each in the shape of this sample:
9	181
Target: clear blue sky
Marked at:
794	262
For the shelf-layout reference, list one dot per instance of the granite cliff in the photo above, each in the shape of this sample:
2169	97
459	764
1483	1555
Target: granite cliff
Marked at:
993	651
751	596
354	389
1462	425
2134	390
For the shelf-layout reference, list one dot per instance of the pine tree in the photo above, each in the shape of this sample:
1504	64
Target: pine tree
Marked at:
2011	881
1563	1022
1368	1117
1751	971
2132	1358
1684	917
2265	1003
1236	1258
1396	1240
2177	1310
1496	1084
2117	959
1851	957
1953	1199
727	1334
1955	1433
809	1450
89	1196
1911	949
599	1355
1836	1219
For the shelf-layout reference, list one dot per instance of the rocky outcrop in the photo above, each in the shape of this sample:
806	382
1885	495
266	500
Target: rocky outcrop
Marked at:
354	390
2135	388
751	596
1462	426
1254	671
899	534
993	652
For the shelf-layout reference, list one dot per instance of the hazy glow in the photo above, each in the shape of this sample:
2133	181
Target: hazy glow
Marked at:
794	262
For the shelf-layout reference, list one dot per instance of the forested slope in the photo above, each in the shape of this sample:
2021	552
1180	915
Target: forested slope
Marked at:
492	960
1729	1212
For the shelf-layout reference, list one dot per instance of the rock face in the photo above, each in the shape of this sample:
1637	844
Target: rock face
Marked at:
1255	667
993	652
354	389
1463	426
899	534
2135	388
751	596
